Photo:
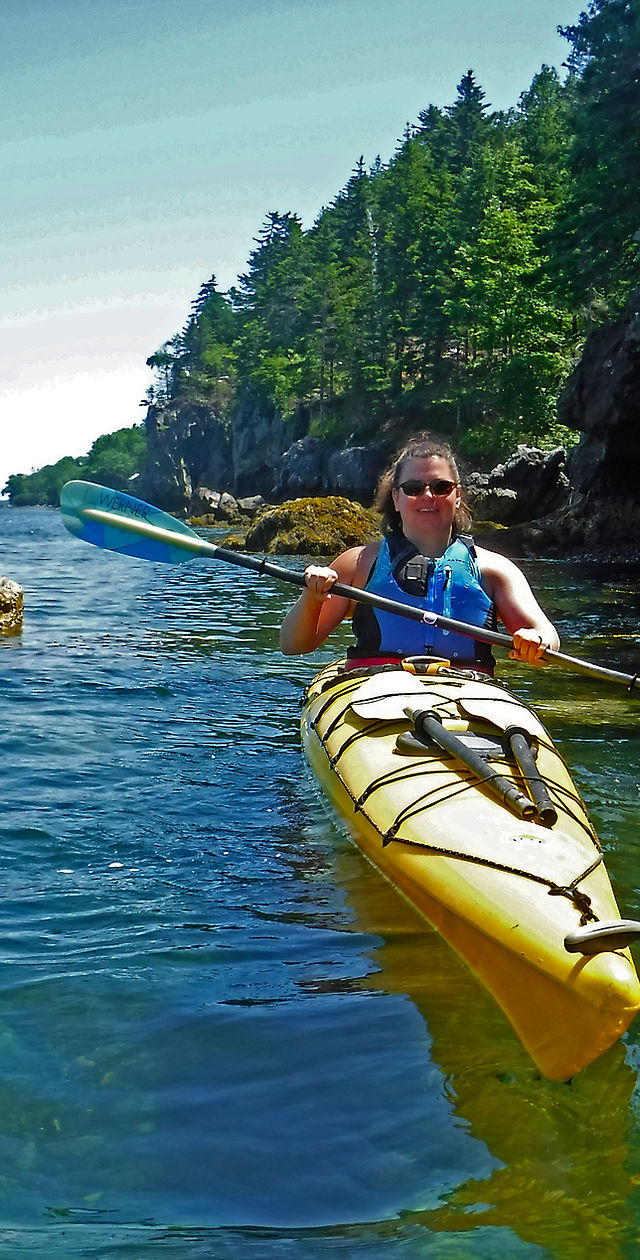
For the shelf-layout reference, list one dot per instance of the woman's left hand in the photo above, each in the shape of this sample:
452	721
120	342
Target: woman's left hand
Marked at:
528	646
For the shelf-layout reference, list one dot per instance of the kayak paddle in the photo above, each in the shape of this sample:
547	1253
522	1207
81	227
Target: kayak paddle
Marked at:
118	522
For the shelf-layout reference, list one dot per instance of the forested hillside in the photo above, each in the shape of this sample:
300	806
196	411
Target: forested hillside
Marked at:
112	460
452	285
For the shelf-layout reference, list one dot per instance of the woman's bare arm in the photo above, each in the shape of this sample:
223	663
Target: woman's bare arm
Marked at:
317	612
517	607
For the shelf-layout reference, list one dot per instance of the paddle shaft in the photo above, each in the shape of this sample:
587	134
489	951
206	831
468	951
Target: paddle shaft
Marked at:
199	547
428	725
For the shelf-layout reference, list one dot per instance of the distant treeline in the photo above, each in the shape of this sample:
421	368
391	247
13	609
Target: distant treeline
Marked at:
111	461
451	286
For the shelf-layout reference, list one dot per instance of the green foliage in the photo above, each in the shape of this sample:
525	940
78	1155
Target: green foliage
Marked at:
597	252
198	364
116	457
112	460
451	286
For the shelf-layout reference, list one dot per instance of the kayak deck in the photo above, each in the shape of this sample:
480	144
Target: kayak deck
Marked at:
502	888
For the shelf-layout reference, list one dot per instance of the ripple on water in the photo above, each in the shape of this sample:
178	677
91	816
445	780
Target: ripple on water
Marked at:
221	1033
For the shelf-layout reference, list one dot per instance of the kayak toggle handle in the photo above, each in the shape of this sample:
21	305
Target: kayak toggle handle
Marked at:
602	938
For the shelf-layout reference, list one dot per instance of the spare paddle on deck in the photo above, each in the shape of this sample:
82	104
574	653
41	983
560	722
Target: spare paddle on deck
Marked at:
431	729
536	786
119	522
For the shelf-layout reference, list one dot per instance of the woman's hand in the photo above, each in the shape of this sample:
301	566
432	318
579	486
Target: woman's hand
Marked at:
528	646
318	610
319	580
517	608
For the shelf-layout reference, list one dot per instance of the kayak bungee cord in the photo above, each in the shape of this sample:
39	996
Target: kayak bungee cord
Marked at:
566	799
428	800
581	901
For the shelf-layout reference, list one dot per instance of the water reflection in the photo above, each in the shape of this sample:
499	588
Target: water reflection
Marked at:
563	1174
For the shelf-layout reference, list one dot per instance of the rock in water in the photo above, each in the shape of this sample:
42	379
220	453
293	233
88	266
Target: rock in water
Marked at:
311	527
11	606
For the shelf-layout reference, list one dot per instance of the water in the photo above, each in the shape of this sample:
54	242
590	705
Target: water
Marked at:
222	1034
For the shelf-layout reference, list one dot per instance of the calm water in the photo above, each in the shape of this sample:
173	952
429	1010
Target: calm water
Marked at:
222	1034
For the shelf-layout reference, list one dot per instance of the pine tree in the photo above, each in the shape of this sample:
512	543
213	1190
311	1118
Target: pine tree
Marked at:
415	202
598	252
468	124
541	123
269	303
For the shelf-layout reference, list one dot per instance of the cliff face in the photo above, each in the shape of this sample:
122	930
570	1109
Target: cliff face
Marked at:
259	438
601	399
256	452
188	447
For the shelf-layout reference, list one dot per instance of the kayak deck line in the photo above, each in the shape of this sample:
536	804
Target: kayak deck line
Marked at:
419	744
580	900
538	791
427	800
506	892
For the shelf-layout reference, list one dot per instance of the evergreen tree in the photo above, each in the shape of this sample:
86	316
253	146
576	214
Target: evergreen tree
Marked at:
165	363
320	305
509	330
269	302
421	294
415	203
542	126
468	125
598	254
205	365
358	325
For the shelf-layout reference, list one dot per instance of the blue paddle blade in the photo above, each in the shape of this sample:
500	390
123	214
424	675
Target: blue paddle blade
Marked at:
81	497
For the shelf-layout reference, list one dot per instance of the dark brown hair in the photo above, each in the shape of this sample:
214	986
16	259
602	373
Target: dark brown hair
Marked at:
423	447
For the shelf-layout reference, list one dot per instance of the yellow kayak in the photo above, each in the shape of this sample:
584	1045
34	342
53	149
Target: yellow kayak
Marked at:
454	790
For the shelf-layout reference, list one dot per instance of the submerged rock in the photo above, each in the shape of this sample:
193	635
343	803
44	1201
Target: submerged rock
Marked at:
310	527
11	606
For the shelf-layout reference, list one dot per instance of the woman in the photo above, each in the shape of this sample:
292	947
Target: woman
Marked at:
425	559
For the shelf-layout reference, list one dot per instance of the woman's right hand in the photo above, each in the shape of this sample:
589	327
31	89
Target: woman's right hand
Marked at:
319	608
319	580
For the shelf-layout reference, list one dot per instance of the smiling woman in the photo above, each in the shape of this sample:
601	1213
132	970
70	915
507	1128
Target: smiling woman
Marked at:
426	559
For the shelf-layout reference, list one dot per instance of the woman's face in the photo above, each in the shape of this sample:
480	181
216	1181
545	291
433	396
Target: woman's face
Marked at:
427	512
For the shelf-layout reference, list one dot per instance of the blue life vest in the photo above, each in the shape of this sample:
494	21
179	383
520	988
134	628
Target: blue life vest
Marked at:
449	584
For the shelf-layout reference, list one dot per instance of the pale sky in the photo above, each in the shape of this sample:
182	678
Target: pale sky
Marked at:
144	141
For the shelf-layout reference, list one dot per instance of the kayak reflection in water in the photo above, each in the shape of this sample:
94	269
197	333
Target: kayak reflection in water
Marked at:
427	559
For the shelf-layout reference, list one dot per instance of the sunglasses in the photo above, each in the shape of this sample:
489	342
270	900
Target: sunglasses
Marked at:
439	488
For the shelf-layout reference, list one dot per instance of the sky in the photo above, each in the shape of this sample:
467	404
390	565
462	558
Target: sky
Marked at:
144	142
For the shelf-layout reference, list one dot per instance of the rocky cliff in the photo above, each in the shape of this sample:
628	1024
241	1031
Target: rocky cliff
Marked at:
193	450
591	503
601	398
188	447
